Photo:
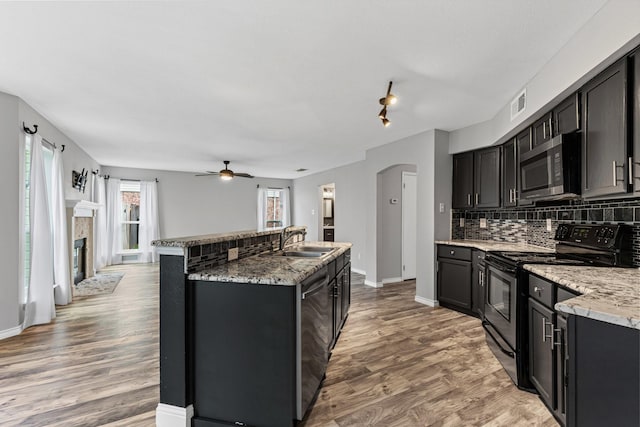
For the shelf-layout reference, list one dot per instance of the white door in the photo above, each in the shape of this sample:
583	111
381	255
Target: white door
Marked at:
409	212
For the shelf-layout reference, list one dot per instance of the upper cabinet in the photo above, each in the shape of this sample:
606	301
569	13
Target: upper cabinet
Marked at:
509	173
604	143
487	178
476	179
462	181
566	116
634	161
542	129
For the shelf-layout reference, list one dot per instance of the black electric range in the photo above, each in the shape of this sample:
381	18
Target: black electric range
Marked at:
506	294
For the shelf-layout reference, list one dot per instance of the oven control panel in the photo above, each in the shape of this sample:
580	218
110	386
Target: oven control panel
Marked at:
601	235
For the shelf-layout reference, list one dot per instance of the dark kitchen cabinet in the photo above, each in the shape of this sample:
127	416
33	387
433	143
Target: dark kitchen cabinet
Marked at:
454	277
340	286
604	374
328	235
566	116
541	355
541	130
604	143
477	282
634	160
462	181
562	357
487	178
509	174
523	140
337	304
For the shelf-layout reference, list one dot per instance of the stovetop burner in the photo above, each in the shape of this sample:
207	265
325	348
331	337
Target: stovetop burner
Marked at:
536	258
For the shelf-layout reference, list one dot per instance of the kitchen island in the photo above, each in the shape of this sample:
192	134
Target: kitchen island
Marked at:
246	342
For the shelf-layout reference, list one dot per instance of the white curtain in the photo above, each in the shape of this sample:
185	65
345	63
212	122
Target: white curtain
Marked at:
61	273
149	227
114	222
286	207
40	306
101	241
262	208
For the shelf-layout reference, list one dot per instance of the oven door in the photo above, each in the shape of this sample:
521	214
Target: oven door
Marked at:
500	300
541	173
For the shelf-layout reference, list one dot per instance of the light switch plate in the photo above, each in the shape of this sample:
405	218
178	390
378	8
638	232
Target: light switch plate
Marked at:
441	207
233	254
483	222
549	226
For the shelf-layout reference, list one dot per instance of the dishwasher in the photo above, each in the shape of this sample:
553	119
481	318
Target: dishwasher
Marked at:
313	339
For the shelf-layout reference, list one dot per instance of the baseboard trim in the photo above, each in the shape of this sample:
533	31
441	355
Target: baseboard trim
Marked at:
392	280
373	284
357	270
11	332
427	301
173	416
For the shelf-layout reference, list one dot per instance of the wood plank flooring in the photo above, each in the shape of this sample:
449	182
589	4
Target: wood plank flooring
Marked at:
397	363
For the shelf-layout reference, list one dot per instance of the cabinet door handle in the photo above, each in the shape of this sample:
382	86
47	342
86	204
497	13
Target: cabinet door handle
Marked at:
537	289
550	128
469	199
559	341
544	130
631	170
477	198
615	173
544	332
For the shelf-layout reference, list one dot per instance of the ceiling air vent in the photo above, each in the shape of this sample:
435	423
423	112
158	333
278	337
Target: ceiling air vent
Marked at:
519	104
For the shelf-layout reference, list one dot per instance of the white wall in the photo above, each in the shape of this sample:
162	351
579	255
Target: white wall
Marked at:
349	210
9	212
613	31
73	157
191	205
389	228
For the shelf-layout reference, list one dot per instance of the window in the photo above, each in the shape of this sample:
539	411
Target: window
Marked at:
273	208
130	193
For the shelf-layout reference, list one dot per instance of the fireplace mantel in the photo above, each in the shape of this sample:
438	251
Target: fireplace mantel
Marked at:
82	208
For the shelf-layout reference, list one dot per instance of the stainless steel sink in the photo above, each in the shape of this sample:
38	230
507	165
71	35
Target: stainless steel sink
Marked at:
300	253
313	249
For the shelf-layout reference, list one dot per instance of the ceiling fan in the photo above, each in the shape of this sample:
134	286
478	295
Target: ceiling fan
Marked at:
226	174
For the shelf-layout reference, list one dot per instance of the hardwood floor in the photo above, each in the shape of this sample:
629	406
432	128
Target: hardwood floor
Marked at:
397	363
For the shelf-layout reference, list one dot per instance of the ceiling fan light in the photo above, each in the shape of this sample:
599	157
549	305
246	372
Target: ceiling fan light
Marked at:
386	122
226	175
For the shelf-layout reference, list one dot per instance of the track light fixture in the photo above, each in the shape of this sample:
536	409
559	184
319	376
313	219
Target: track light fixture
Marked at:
389	99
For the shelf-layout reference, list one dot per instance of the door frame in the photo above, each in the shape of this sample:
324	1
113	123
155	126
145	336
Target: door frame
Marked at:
404	225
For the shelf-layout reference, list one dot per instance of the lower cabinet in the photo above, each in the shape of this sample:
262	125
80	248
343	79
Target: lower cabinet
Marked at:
541	351
340	294
454	277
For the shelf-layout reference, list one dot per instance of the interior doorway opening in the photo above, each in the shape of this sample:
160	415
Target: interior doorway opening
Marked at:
327	209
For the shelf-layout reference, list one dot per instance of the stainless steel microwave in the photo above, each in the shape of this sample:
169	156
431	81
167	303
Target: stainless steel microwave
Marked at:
551	170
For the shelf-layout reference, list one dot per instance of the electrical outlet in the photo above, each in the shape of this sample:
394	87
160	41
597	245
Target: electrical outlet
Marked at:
483	222
549	226
313	211
461	222
441	207
233	254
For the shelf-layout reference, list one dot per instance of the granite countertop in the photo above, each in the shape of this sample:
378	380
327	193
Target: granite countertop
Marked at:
272	270
186	242
492	245
610	294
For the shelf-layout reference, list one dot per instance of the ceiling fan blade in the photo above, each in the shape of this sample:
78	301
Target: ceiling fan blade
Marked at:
243	175
208	174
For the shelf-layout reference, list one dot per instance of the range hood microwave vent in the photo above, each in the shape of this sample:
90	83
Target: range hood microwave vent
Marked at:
519	104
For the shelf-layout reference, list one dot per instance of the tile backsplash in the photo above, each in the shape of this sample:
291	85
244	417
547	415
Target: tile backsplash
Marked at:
529	225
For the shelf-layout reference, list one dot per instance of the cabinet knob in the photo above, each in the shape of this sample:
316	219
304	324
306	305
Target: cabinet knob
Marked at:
452	252
537	289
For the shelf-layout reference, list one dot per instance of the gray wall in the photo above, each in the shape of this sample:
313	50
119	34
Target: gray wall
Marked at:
349	212
10	208
191	205
389	228
612	31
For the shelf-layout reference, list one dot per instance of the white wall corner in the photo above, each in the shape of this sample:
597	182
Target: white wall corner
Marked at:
373	284
391	280
427	301
173	416
11	332
359	271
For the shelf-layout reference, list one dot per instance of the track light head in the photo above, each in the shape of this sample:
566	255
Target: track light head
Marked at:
386	122
383	113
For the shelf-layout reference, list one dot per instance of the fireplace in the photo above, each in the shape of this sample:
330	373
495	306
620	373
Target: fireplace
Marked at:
79	260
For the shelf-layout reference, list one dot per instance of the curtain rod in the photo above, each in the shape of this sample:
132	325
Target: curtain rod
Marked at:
274	188
28	131
125	179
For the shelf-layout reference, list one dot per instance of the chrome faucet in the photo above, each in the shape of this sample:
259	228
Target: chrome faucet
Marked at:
287	234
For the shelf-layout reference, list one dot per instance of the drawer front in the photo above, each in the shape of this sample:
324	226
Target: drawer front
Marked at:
541	290
565	294
461	253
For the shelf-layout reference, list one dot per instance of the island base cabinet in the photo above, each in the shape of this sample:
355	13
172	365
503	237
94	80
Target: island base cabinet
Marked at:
604	374
243	354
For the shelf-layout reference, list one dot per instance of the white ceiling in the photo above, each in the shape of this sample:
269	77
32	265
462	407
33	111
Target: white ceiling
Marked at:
275	85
